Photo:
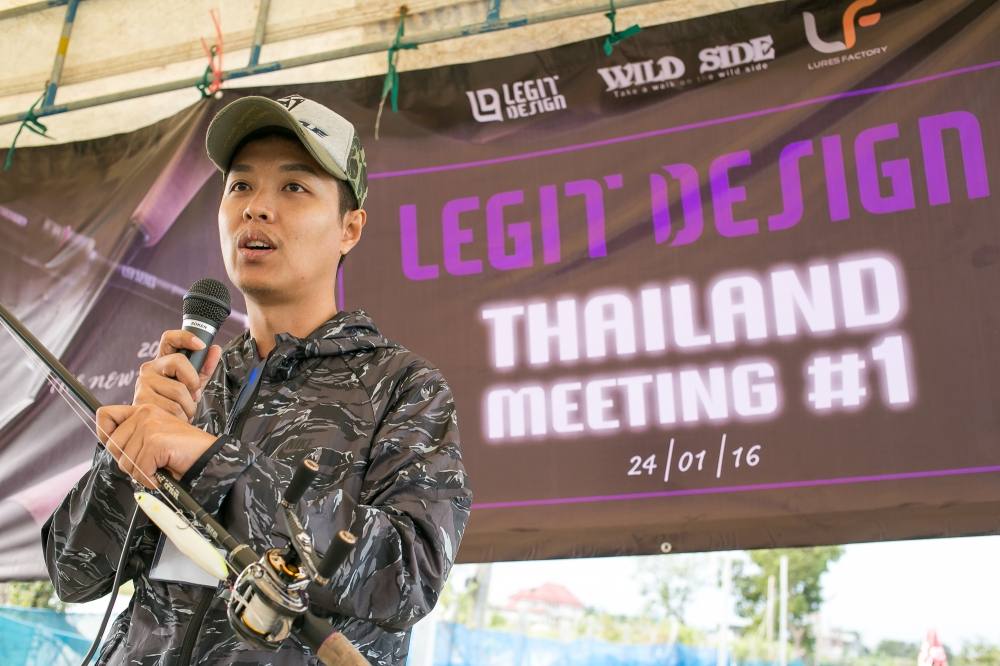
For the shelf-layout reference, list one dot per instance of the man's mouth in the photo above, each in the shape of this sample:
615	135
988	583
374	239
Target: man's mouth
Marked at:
255	245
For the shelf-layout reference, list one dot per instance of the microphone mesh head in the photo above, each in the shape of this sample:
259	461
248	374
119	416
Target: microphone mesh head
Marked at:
207	299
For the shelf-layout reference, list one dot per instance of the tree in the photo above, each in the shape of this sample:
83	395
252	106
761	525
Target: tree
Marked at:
32	594
669	583
902	649
458	598
806	566
977	654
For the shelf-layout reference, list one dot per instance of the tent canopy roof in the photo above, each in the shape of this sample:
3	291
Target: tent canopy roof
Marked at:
121	45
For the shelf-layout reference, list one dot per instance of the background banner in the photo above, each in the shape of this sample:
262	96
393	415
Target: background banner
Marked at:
730	287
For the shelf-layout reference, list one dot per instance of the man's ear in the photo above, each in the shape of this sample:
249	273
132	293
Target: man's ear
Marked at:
352	225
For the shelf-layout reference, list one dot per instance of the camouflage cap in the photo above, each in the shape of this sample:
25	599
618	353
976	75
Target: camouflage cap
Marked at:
329	137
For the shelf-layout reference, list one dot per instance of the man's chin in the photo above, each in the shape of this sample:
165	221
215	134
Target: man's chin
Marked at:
259	292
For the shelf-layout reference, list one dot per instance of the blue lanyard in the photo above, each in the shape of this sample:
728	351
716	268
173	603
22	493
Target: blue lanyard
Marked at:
243	399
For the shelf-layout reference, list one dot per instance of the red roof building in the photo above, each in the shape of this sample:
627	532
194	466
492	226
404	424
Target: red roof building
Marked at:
549	594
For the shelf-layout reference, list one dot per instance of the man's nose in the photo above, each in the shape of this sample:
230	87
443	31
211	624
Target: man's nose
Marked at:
259	209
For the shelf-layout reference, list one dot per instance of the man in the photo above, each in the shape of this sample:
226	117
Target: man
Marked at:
378	419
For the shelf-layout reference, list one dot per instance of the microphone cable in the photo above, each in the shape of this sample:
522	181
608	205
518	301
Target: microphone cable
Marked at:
119	573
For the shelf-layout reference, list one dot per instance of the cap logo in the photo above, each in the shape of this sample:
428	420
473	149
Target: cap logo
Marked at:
312	128
291	101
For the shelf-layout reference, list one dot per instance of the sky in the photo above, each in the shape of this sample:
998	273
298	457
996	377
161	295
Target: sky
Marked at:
889	590
900	589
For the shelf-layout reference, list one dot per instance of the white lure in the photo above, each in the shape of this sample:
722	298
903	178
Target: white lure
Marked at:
188	540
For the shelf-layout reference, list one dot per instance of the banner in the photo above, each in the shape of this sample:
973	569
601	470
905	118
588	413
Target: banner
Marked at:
730	287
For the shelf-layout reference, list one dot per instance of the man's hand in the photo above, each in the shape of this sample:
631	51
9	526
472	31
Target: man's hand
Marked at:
169	381
152	439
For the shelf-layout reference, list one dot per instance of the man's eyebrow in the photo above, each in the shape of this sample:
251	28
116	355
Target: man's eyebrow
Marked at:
296	166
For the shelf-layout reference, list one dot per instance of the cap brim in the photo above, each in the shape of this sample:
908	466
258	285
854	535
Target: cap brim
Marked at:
247	114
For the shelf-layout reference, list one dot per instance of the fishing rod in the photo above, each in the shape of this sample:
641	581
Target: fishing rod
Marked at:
268	600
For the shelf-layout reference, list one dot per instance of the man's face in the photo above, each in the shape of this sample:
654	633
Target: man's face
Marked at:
279	222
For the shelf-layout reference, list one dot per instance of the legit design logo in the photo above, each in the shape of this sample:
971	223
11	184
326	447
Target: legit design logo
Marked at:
850	32
516	100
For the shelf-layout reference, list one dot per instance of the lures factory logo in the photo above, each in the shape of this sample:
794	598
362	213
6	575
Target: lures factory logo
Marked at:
852	19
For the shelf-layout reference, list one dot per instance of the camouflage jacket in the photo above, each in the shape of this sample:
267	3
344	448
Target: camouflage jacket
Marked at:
380	421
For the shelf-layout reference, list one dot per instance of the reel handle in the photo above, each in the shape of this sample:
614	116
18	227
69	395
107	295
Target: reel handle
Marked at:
301	480
329	645
338	551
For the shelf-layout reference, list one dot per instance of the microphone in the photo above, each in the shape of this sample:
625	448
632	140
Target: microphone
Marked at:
206	306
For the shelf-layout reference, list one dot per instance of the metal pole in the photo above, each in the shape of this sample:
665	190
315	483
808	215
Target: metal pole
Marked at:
769	612
483	575
14	12
725	613
326	56
258	31
783	611
61	49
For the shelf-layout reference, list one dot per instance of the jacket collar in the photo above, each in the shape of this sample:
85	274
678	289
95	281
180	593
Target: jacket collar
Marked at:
345	332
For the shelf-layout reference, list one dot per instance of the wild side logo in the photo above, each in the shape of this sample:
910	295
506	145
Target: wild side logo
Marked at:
729	56
668	72
641	77
850	32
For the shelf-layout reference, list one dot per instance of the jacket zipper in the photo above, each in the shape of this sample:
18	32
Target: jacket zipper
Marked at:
194	627
194	624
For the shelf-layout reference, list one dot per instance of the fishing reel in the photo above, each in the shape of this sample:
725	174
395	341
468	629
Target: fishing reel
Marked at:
269	595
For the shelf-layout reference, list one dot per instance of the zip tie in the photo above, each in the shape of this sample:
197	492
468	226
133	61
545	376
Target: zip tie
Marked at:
614	37
209	86
32	123
391	83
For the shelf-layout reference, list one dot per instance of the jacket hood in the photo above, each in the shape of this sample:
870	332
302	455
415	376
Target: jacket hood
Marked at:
347	332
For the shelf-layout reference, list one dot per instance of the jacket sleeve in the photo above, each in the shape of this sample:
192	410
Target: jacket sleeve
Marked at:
84	536
414	504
